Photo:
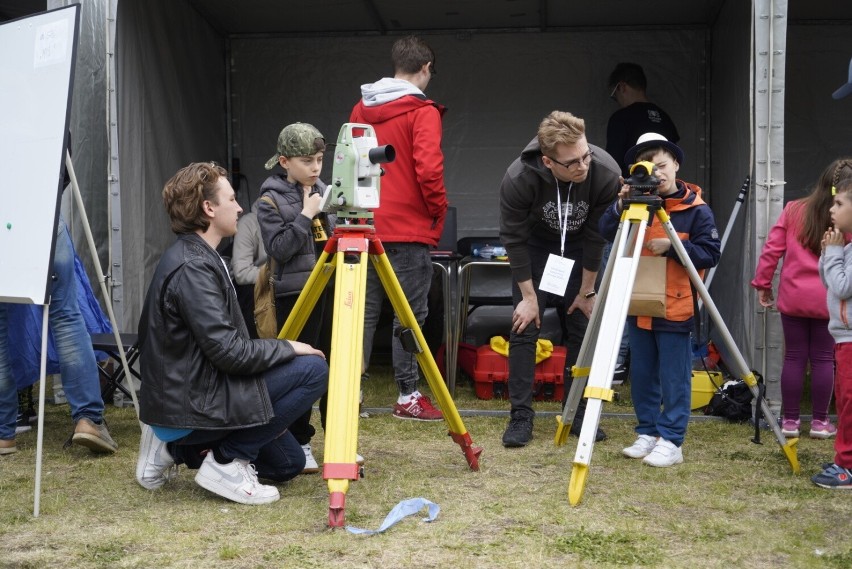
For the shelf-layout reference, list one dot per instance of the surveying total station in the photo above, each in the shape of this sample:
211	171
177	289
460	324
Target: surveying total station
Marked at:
599	350
352	193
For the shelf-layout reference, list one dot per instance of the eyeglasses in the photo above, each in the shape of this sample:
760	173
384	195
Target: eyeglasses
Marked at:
584	159
614	89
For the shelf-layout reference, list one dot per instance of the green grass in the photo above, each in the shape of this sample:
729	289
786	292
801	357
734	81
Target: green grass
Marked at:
731	504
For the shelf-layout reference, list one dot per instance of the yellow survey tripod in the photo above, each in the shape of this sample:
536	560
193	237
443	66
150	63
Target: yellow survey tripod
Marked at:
599	350
355	186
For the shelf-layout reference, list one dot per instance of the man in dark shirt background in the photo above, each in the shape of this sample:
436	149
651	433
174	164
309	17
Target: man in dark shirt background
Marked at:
636	115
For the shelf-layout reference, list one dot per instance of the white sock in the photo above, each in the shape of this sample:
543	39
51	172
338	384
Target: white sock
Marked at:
405	399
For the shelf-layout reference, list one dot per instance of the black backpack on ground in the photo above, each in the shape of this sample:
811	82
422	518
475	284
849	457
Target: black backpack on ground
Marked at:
731	401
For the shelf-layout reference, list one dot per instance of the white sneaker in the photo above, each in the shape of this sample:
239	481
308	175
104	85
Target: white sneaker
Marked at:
641	448
311	465
359	459
155	466
665	454
236	481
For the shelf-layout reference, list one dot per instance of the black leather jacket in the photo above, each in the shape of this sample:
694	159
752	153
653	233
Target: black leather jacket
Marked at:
200	369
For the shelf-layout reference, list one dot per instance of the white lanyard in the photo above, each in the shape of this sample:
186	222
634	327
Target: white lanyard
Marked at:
227	272
563	223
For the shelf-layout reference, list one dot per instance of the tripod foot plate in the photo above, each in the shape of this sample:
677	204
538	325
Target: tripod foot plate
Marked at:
789	450
336	514
562	431
577	484
471	453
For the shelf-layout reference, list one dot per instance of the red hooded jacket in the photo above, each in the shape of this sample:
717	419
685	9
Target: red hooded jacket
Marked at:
413	199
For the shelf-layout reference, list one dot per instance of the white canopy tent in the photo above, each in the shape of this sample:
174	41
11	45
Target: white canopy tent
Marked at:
748	84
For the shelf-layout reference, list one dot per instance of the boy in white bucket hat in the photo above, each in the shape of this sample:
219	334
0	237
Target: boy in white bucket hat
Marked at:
661	365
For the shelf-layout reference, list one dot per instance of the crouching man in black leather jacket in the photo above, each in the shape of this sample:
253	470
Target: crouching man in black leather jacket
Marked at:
207	384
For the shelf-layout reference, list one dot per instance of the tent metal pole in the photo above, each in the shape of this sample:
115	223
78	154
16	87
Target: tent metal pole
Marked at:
769	21
115	269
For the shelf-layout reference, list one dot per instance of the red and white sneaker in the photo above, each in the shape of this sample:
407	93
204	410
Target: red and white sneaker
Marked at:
420	408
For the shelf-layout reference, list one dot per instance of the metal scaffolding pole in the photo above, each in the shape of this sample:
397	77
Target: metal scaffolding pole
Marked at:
769	37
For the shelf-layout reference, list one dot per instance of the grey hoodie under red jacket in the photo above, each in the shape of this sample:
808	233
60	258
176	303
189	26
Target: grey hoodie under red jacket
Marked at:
413	200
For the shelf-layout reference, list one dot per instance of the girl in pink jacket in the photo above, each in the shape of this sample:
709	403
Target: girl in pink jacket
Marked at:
801	300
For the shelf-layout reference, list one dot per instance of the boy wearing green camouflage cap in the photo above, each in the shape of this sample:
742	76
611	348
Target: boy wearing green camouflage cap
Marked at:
294	232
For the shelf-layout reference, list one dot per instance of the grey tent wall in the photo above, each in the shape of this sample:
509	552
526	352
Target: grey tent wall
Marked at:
171	85
729	107
497	88
89	140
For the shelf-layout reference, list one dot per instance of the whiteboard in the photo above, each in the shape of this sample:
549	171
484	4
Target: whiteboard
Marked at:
37	56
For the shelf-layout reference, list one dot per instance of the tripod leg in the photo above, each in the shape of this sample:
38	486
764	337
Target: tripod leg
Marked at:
344	384
580	370
426	361
788	447
308	298
606	346
599	389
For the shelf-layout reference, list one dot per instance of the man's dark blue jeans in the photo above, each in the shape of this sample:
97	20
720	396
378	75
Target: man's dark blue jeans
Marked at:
293	388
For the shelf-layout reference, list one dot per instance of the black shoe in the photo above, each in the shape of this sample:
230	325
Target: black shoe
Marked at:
620	374
578	424
519	432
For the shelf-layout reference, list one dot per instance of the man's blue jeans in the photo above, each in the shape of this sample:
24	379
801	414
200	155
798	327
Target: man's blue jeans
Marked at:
412	266
77	364
8	387
293	388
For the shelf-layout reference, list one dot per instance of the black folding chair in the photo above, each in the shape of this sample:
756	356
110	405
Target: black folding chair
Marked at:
106	343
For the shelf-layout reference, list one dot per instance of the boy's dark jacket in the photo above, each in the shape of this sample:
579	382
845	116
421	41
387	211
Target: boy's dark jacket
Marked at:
201	369
287	234
693	221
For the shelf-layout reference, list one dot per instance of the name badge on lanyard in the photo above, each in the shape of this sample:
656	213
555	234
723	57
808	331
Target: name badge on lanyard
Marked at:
557	271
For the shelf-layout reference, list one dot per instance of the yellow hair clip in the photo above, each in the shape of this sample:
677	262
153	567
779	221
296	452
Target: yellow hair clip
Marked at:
833	191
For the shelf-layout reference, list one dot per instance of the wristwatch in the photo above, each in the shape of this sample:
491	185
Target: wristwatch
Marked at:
590	294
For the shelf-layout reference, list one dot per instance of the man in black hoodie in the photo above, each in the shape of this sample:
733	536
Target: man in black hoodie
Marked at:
551	199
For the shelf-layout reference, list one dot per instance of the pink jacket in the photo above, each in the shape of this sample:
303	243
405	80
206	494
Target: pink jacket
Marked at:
800	290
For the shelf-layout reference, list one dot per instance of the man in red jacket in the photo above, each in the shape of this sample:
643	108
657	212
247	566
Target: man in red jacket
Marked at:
410	218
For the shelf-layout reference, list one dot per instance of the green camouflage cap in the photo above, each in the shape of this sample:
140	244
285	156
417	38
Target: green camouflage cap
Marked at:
297	139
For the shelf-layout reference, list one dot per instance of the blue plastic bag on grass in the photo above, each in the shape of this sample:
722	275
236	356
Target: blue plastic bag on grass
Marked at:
403	509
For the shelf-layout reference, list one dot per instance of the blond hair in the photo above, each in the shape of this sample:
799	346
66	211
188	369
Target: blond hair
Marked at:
559	128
